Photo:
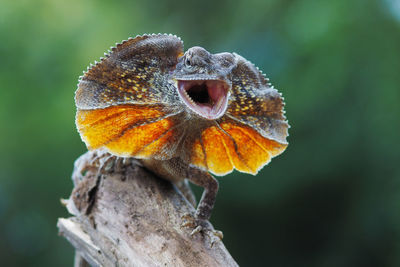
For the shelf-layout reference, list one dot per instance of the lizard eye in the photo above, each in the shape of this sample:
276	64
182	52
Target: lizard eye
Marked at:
188	62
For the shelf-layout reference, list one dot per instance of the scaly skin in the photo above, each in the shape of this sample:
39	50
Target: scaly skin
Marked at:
183	114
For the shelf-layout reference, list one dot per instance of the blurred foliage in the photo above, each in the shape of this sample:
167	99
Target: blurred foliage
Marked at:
332	199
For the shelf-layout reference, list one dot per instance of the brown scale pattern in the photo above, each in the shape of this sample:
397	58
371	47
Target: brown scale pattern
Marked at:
133	73
121	85
255	103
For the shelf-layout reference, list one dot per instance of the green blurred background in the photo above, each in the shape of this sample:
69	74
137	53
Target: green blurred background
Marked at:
332	199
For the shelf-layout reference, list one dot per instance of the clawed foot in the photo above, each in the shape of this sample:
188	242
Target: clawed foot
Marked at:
201	226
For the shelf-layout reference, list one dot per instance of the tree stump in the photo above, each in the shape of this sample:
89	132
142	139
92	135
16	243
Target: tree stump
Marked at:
127	216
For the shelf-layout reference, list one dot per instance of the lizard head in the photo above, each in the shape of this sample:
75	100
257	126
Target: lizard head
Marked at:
203	82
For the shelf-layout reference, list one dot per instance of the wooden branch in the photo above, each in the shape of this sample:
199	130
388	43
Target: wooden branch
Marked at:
129	217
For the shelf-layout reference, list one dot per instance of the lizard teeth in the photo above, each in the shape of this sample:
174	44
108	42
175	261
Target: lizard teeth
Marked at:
188	97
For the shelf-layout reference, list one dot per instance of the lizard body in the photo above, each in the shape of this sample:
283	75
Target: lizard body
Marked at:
183	114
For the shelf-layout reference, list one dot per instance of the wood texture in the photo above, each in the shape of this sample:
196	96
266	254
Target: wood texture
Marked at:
128	217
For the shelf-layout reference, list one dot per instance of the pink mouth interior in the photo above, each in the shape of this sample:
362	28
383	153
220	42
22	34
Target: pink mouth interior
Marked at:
207	98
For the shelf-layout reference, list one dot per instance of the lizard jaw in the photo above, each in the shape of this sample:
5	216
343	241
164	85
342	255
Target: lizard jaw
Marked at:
207	98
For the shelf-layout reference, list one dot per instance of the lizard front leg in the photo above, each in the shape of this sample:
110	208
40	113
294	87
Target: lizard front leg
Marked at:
210	185
175	170
206	204
184	188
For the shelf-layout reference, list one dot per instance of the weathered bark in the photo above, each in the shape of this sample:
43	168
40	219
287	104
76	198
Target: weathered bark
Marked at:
129	217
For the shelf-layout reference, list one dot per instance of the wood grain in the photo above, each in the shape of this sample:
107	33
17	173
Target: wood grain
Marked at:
129	217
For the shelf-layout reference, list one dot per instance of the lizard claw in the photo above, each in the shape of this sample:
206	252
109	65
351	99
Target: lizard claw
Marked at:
188	220
201	226
215	236
196	230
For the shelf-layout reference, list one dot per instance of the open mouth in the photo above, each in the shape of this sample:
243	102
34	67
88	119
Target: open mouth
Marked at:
207	98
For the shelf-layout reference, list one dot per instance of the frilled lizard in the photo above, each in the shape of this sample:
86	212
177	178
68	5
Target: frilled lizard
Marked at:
182	114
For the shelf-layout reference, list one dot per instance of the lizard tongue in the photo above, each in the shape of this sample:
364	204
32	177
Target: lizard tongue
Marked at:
215	90
207	98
